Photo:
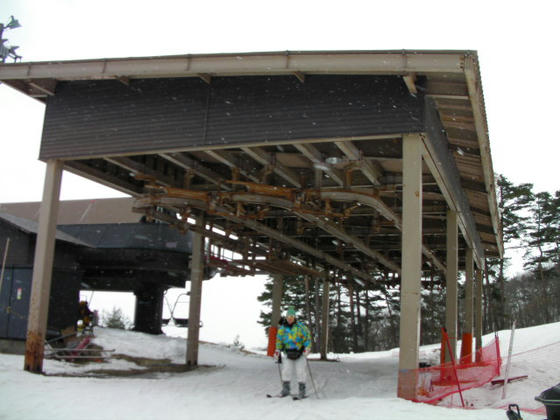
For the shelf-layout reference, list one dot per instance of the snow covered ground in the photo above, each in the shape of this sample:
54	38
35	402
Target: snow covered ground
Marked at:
361	386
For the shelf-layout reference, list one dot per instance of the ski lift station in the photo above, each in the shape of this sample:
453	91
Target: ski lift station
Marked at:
351	167
101	245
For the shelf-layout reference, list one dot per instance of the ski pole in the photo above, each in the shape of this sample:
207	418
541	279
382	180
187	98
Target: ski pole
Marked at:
279	369
311	377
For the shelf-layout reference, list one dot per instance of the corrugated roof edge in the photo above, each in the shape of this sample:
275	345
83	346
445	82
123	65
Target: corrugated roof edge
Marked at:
253	53
341	62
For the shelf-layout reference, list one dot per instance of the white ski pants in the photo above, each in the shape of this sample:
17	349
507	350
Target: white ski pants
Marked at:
289	366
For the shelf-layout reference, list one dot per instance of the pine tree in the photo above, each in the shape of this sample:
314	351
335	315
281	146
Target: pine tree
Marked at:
339	331
513	200
433	312
551	221
115	319
294	295
538	238
542	244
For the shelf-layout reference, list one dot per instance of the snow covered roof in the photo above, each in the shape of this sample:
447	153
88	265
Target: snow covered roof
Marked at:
77	212
31	226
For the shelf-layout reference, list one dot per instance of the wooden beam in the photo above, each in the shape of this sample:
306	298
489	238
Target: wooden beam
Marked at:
124	80
80	168
42	269
452	246
469	293
410	81
205	77
468	319
409	340
188	163
311	153
459	125
265	158
331	62
197	275
259	227
445	96
351	240
326	225
264	230
300	76
478	312
456	116
139	168
449	105
443	87
216	238
368	168
47	86
227	158
277	292
27	89
481	125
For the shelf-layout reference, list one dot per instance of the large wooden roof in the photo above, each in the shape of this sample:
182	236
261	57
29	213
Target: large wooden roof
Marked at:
346	217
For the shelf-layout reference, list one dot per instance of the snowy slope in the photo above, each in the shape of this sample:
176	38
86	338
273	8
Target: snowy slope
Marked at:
361	386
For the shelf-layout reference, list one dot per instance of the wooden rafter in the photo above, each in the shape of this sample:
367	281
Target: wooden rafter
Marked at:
368	168
227	158
311	153
410	81
46	86
261	228
207	78
185	162
112	181
266	159
141	170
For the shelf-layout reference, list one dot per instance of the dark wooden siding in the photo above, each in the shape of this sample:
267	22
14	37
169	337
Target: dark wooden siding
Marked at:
22	245
92	118
16	294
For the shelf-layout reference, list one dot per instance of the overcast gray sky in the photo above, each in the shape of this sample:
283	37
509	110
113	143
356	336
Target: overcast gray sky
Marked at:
516	42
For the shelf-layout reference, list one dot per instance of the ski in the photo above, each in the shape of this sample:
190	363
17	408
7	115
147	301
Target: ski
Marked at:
294	397
275	396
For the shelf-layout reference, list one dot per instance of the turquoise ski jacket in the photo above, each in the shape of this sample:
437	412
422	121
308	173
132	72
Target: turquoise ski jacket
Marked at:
295	336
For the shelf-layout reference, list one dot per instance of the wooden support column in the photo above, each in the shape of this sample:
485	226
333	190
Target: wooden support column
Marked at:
466	347
411	266
451	282
325	319
197	275
478	310
277	291
42	269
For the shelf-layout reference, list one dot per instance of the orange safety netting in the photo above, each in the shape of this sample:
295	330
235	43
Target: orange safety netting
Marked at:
437	382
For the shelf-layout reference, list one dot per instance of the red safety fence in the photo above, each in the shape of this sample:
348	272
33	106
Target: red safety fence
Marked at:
437	382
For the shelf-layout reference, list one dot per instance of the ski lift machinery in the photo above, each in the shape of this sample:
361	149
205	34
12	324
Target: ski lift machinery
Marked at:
177	321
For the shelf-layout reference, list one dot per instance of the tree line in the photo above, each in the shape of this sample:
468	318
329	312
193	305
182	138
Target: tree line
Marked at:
367	319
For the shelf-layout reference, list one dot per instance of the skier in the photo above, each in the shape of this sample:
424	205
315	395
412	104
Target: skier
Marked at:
84	316
294	340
